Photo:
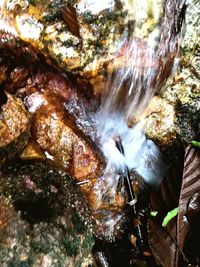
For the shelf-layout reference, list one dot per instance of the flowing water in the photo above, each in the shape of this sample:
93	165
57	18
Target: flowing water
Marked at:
148	63
148	55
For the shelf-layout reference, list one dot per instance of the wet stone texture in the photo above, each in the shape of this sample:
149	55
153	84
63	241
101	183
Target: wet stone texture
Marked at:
14	128
43	219
160	122
183	92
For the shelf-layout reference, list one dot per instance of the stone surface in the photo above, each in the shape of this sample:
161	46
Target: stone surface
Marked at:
183	91
44	221
14	128
160	122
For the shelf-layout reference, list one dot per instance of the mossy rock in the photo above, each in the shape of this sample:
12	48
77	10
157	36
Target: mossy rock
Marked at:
44	219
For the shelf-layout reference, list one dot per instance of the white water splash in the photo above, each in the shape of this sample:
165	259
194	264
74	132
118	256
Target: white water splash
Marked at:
147	63
148	59
140	154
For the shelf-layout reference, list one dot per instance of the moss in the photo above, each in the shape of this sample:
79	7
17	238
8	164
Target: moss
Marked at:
70	42
88	17
32	2
189	119
88	240
72	246
52	17
57	235
78	221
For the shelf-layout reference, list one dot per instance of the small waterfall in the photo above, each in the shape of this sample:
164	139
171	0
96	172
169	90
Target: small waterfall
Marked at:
147	56
147	61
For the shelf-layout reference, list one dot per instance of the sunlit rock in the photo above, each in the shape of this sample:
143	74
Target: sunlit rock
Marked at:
14	128
184	91
177	113
160	122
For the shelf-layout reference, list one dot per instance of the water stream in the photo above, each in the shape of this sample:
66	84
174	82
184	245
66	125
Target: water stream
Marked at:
148	56
149	60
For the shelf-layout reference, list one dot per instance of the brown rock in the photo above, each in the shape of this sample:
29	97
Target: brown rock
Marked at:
66	145
32	151
14	128
160	122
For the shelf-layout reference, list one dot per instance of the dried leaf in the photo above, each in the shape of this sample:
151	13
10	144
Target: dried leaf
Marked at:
69	15
167	197
190	186
193	208
162	245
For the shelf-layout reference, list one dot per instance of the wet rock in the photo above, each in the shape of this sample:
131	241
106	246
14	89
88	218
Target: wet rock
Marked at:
60	127
48	94
160	122
189	119
98	28
61	133
65	145
92	43
32	152
44	219
3	73
14	128
183	91
17	78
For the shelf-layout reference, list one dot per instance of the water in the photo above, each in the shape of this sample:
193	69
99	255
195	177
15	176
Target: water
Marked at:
148	59
148	62
147	56
141	154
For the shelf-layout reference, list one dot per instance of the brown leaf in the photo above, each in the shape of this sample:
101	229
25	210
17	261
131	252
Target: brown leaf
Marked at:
162	245
193	208
183	182
69	15
167	197
190	186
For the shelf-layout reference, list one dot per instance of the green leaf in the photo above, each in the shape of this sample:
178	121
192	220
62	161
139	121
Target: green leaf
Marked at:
169	216
153	213
195	143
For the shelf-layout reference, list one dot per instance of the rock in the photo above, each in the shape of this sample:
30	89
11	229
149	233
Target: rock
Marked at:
56	133
14	128
61	133
17	78
60	124
189	119
94	40
160	122
183	91
64	144
3	73
32	152
44	220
